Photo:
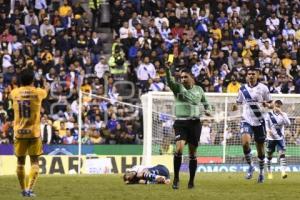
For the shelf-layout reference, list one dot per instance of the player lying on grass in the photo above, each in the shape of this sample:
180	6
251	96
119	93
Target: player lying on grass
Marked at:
275	122
139	174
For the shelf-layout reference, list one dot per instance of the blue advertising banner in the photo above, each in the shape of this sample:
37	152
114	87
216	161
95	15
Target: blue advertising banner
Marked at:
234	168
6	149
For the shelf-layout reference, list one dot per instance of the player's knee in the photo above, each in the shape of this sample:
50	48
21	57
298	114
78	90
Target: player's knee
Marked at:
34	160
246	144
21	160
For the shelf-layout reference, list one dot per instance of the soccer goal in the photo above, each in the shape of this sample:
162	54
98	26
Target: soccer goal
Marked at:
220	139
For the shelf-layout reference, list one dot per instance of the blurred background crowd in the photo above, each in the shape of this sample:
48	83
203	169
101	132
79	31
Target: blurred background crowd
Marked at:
65	42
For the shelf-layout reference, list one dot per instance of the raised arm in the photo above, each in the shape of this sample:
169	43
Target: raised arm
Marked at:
174	86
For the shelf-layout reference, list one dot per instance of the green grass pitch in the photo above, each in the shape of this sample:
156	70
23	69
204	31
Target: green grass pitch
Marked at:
209	186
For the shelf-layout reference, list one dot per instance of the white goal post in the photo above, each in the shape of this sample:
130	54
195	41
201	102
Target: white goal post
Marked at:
224	145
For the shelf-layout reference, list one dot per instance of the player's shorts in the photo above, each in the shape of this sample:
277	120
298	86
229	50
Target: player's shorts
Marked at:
188	130
31	147
272	144
160	170
259	132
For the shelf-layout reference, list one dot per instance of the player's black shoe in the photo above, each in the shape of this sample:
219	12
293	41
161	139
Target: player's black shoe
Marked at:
191	185
175	184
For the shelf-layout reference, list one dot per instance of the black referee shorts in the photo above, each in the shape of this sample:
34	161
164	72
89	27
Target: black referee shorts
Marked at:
188	130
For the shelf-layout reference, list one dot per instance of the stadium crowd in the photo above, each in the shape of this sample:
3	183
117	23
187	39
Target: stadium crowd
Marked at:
217	40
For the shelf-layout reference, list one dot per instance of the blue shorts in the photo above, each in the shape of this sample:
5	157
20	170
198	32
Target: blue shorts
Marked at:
272	144
160	170
258	132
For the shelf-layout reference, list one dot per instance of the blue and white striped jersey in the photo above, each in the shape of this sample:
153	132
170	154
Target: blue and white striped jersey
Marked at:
275	123
251	98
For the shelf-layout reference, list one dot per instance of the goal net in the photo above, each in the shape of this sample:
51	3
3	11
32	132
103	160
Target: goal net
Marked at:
220	140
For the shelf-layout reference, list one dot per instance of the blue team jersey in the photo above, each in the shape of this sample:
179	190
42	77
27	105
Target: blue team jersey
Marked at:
160	170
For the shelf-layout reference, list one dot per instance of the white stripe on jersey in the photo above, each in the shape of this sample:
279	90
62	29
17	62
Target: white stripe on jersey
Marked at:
258	93
282	120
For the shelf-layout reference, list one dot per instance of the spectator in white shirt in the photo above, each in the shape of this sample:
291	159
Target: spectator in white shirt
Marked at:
267	51
145	71
134	20
296	21
233	8
207	136
195	10
45	27
181	9
164	31
125	31
288	30
101	67
239	28
156	84
160	20
263	39
272	24
30	17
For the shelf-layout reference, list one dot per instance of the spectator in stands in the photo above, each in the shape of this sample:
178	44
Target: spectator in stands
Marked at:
156	84
207	135
145	71
46	130
95	46
234	85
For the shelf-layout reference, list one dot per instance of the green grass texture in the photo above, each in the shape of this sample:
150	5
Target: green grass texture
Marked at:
208	186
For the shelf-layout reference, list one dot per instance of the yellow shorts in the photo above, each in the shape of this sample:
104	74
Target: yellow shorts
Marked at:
31	147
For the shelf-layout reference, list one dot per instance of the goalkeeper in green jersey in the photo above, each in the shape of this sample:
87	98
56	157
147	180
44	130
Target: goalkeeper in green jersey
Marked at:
187	126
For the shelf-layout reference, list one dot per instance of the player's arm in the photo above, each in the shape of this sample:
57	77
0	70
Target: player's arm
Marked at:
205	103
239	101
268	104
268	126
286	120
267	101
174	86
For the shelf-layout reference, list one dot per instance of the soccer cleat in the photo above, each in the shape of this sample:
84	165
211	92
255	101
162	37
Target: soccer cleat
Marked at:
270	176
261	178
284	175
191	185
24	193
175	184
29	193
250	171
